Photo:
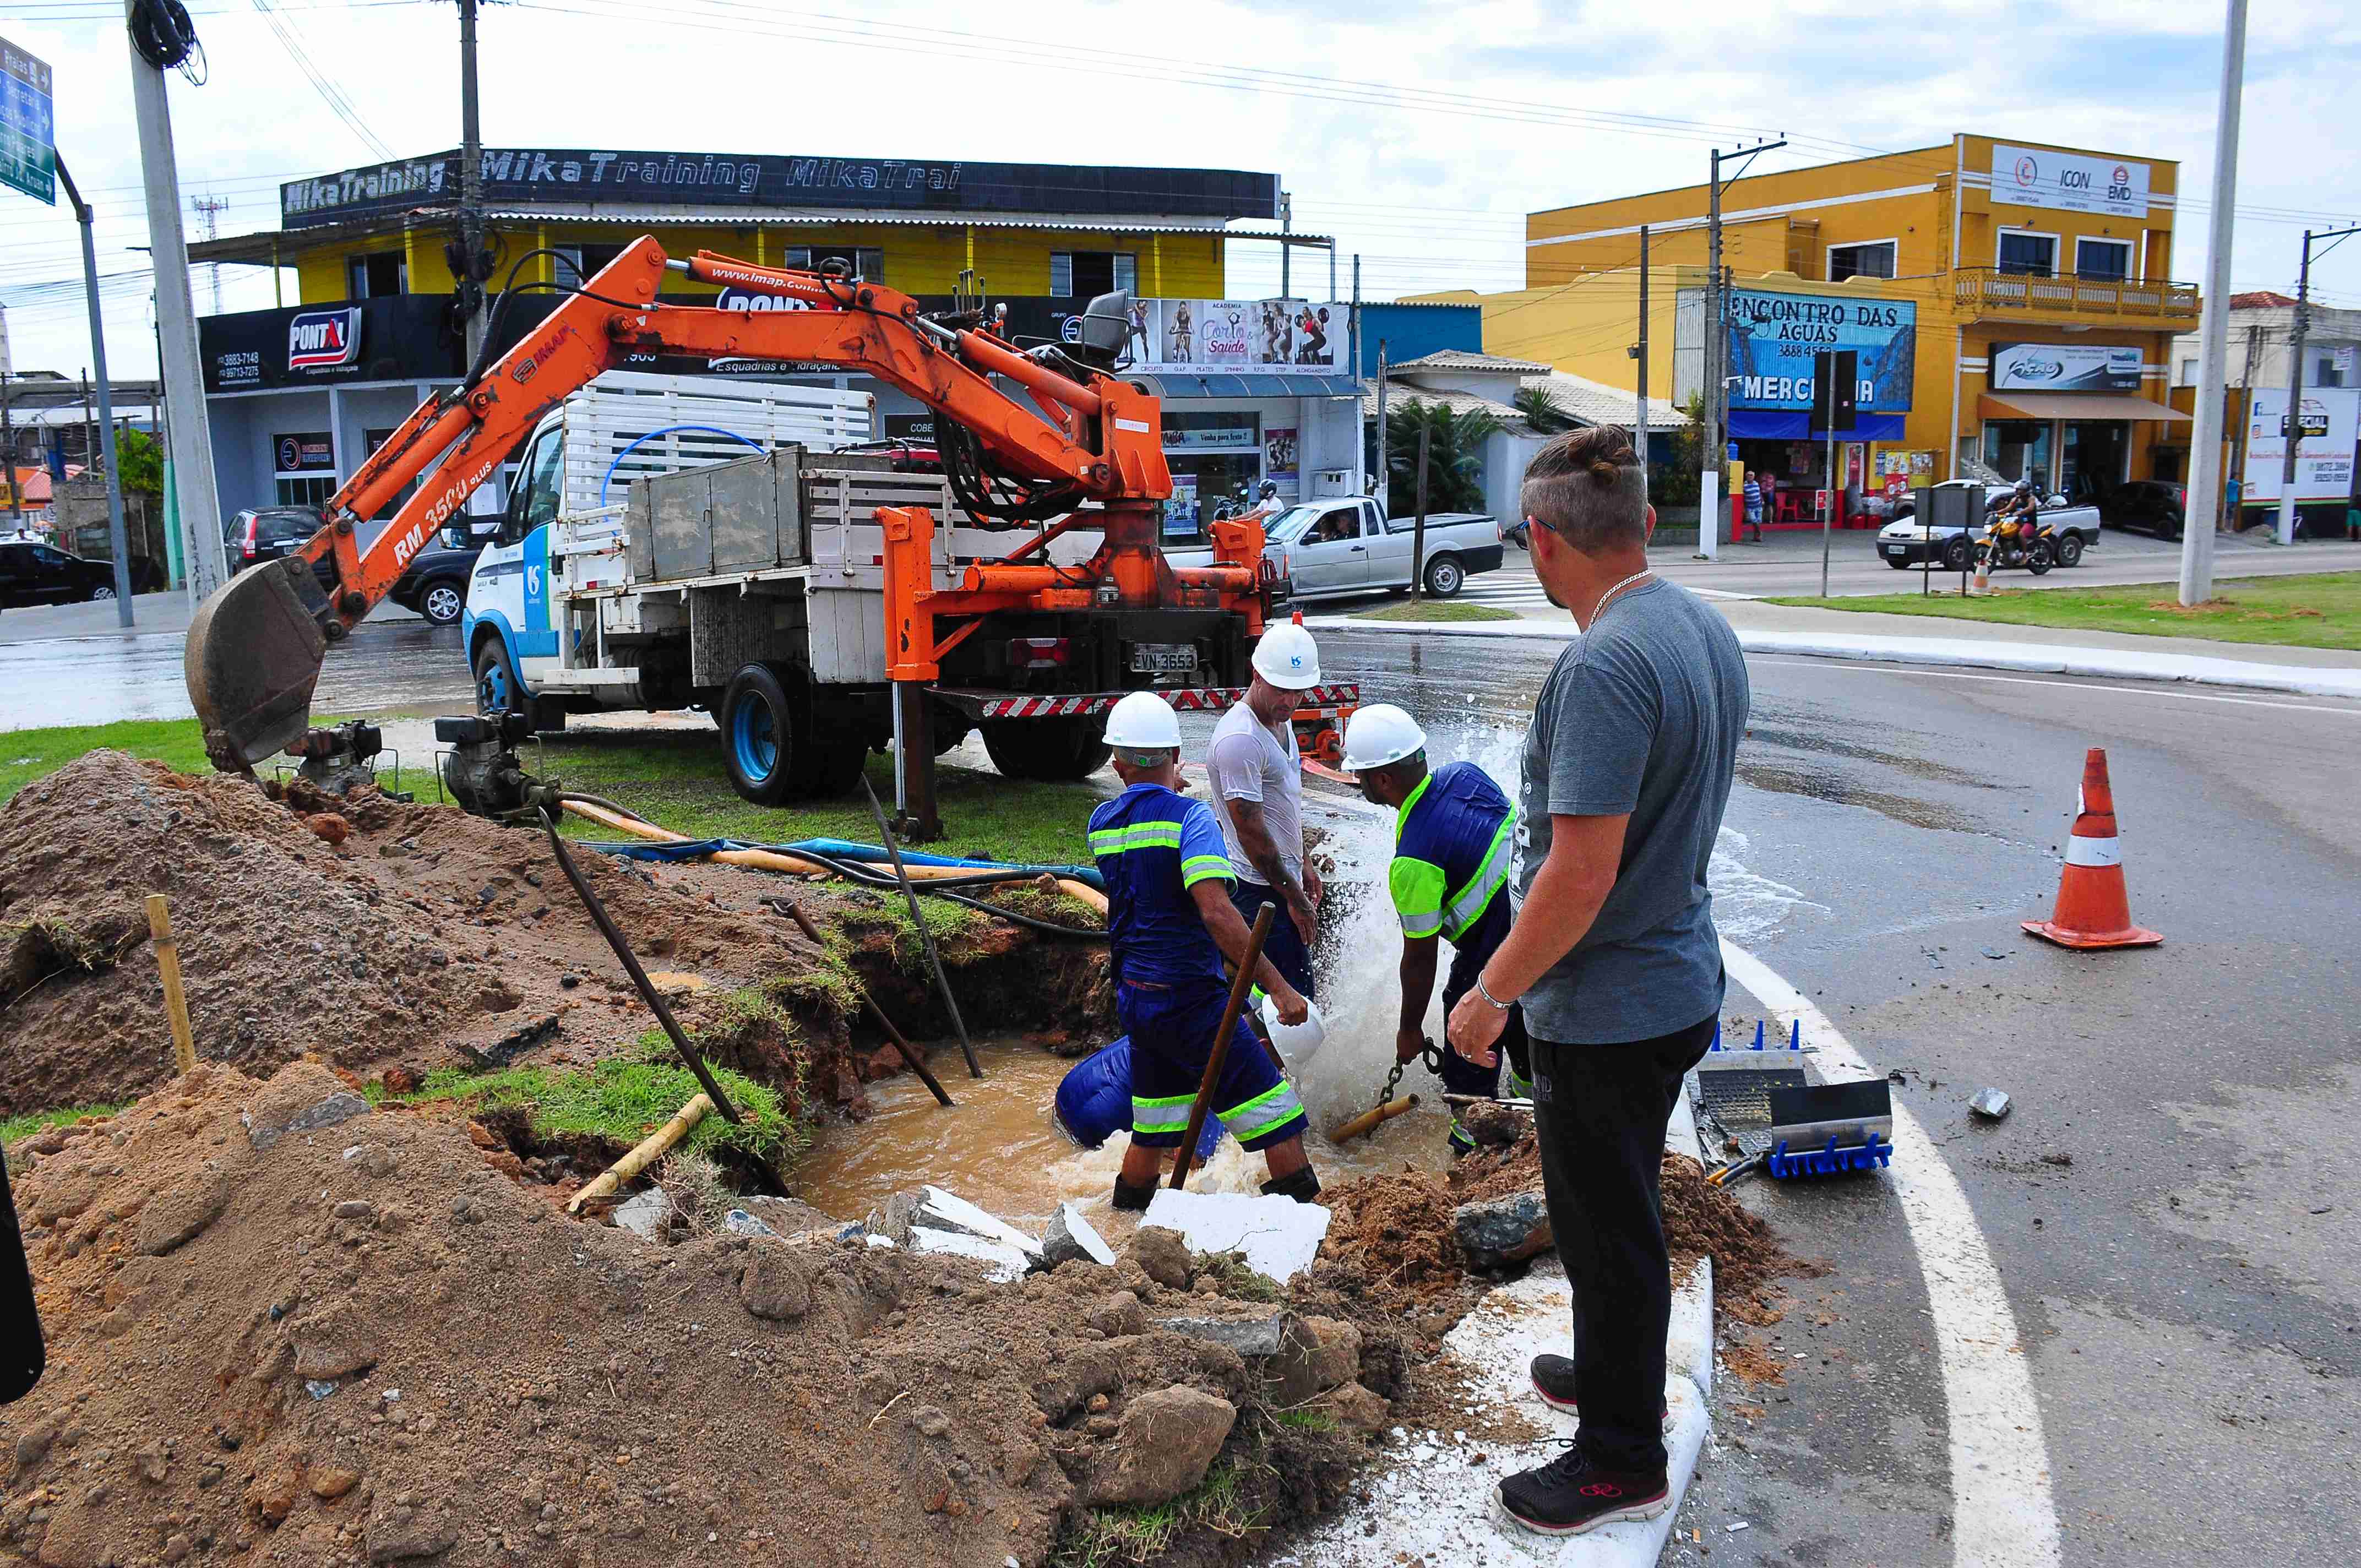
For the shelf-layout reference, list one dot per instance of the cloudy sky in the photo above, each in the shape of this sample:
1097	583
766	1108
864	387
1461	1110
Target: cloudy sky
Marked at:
1417	134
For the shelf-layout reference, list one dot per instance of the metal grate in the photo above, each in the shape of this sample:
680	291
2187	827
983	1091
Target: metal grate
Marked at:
1737	1100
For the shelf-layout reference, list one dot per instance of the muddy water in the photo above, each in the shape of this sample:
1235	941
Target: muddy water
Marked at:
999	1147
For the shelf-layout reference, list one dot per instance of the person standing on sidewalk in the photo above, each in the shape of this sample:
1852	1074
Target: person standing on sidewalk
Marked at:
1452	830
1257	790
1754	497
1612	953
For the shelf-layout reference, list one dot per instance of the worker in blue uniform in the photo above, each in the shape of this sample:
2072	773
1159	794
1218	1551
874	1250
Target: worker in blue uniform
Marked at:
1094	1101
1452	833
1170	925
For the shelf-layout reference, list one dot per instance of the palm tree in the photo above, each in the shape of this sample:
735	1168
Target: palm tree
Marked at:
1455	456
1542	410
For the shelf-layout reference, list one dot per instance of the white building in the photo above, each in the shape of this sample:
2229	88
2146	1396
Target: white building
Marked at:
2262	329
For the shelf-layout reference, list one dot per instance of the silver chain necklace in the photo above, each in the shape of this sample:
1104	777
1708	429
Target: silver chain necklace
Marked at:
1600	608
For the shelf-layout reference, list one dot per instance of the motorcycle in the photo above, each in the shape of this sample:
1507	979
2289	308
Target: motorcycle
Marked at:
2018	539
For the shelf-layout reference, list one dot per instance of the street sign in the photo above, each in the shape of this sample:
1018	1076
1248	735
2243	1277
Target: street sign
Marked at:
29	157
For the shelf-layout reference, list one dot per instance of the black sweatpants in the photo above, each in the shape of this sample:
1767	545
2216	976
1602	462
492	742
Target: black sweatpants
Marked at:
1600	1112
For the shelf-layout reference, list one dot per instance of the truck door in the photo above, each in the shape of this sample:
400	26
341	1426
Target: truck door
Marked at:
1332	556
510	587
1389	552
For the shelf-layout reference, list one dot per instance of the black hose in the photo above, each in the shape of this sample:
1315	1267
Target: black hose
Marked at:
161	32
1083	933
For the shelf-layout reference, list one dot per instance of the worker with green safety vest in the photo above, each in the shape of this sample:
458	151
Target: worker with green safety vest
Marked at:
1453	834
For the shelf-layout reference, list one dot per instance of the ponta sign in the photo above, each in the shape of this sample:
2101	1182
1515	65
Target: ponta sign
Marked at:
2067	183
1772	337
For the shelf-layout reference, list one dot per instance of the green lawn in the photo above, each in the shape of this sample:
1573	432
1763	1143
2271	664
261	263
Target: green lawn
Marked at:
2320	611
1438	610
673	778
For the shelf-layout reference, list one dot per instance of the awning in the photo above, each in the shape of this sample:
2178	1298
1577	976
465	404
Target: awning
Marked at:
1796	425
2075	406
1169	384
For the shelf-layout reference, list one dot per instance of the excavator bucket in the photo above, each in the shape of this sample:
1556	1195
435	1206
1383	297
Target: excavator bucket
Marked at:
252	657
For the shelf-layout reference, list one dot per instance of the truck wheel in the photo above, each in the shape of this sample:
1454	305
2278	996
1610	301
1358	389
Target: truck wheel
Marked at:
1955	552
1047	748
760	737
1446	577
2069	549
498	690
444	601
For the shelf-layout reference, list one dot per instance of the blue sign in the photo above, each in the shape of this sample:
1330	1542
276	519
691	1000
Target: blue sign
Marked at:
1772	337
28	151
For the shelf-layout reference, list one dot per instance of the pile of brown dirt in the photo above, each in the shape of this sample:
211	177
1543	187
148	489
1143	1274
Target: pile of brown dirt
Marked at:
1395	1231
381	935
280	1323
1749	1259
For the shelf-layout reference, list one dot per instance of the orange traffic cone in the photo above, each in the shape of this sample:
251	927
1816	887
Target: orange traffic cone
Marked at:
2093	911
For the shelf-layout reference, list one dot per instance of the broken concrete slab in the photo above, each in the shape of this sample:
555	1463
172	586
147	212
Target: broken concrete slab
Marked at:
1495	1233
1007	1263
791	1216
944	1210
1688	1339
302	1099
646	1215
738	1222
1278	1236
1250	1334
1070	1237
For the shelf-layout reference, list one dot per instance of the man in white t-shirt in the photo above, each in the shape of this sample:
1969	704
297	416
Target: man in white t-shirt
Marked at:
1257	790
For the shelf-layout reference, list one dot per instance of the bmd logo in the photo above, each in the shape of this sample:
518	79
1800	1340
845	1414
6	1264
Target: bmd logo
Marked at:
323	340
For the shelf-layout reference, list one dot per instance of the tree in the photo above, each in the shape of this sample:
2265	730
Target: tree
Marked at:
1542	410
1683	451
138	464
1454	457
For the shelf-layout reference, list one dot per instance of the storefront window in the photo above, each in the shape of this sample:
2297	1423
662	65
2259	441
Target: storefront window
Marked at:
1215	457
2018	449
2093	462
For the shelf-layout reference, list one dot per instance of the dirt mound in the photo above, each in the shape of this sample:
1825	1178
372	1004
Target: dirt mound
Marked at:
281	1323
1396	1230
377	934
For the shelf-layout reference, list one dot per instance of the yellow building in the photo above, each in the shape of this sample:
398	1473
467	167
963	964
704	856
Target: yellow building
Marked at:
2010	303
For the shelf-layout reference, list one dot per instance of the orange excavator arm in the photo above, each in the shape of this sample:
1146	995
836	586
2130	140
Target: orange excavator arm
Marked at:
255	647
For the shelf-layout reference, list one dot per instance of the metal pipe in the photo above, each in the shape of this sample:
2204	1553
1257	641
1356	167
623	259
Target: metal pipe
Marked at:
926	938
794	911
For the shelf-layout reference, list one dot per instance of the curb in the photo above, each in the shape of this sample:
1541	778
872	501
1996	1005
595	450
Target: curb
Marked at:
1438	1504
2032	658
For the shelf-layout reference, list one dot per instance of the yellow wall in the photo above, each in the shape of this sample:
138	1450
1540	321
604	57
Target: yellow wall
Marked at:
1579	310
919	260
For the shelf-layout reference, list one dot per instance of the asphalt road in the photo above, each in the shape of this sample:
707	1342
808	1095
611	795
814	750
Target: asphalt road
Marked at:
2187	1291
1789	565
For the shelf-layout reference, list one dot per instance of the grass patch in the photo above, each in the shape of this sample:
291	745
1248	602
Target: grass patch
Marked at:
1307	1421
2311	612
30	754
1223	1505
15	1130
625	1101
1229	1271
1441	610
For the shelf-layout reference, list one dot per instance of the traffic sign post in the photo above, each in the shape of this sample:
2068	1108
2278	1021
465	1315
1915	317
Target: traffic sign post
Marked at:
29	158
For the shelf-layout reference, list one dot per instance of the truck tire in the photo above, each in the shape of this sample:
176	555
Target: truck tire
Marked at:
1446	577
760	734
2069	549
1047	748
1955	552
497	690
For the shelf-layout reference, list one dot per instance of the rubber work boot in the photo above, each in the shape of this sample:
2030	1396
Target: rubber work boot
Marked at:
1130	1199
1304	1186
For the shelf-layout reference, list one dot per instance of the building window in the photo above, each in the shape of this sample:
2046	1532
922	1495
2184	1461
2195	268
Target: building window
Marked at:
1875	261
374	277
2188	373
305	489
867	261
1087	274
2329	371
580	263
2032	254
2103	260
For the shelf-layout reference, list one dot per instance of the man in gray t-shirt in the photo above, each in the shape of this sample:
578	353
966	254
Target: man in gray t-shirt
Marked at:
1258	791
1612	953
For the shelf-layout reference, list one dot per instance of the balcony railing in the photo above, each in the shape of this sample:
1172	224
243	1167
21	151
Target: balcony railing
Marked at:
1988	289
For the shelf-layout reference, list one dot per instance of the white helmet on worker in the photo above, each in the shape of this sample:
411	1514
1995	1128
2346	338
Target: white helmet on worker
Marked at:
1378	734
1288	658
1144	722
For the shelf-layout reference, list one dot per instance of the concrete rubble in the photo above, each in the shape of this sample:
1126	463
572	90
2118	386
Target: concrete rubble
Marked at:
1278	1236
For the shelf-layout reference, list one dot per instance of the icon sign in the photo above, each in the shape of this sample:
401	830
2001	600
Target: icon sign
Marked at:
29	154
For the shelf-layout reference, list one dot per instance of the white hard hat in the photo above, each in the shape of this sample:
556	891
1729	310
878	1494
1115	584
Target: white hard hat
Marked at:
1288	658
1296	1042
1144	722
1378	734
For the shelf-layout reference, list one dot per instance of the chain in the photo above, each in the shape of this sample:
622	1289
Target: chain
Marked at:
1429	1055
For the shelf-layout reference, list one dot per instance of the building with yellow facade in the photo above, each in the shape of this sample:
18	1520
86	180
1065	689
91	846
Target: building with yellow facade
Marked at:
2011	304
298	395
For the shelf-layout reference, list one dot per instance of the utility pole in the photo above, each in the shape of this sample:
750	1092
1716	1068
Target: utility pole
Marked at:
1418	530
1364	475
2203	514
1639	421
1717	331
117	537
471	187
176	328
2295	376
1286	226
2243	439
1384	485
8	459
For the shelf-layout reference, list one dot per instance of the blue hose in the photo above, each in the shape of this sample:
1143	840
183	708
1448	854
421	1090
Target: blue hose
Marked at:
608	477
843	849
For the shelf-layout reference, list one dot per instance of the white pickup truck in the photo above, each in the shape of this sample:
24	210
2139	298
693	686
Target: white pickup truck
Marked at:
1347	545
1904	542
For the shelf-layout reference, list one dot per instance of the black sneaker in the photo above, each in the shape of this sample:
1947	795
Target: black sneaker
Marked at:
1553	1381
1570	1496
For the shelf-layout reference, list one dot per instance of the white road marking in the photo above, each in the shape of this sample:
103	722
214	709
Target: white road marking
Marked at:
2079	684
2002	1514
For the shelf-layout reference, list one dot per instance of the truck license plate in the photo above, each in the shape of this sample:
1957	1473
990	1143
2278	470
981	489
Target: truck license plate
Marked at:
1163	658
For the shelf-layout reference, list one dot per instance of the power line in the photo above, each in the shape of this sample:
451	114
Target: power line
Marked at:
330	93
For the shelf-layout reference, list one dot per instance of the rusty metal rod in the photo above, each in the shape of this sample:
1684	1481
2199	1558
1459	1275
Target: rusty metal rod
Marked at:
1240	983
918	918
794	911
1369	1120
648	992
